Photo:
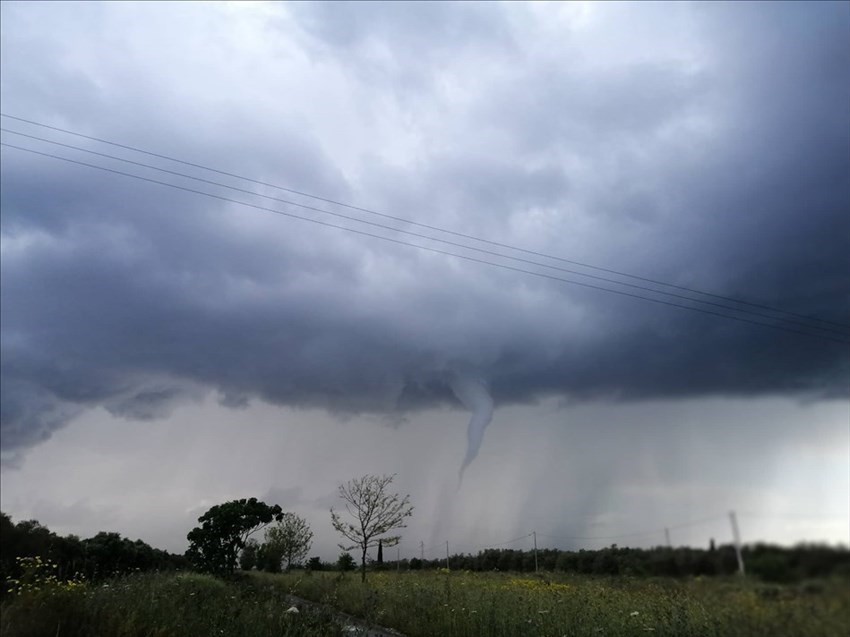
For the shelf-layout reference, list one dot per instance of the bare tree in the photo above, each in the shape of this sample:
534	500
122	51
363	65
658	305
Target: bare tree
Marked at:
375	511
290	538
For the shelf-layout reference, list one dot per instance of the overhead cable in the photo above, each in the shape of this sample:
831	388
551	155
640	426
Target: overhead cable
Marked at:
428	248
439	229
430	238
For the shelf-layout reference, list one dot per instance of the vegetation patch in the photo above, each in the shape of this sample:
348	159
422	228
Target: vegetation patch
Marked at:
161	605
428	603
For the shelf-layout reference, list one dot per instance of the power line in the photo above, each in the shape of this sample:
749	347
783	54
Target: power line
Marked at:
482	547
427	248
428	549
600	537
637	534
430	238
657	531
697	522
444	230
781	516
516	539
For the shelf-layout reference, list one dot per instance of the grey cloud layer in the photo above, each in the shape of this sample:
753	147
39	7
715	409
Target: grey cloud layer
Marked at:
728	171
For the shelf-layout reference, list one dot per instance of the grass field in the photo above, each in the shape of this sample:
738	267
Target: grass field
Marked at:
458	604
432	604
154	605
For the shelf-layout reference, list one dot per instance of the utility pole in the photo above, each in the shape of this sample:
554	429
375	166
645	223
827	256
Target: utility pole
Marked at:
736	536
422	551
667	535
534	533
397	559
447	555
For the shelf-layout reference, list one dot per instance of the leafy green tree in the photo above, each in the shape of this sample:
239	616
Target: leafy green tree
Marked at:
224	531
106	555
376	512
314	563
345	562
269	558
291	538
248	557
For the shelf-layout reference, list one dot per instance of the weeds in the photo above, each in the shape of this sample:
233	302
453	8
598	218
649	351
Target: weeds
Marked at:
422	604
457	604
159	605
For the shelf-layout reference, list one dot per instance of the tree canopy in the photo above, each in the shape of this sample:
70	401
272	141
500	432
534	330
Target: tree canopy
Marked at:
291	539
225	528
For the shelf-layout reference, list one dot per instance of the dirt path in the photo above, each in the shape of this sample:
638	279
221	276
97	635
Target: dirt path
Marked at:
351	625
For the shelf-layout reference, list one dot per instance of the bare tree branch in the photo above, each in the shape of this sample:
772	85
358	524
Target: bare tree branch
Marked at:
377	512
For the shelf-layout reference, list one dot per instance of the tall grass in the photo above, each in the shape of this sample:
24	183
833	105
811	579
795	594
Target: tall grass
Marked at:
425	604
159	605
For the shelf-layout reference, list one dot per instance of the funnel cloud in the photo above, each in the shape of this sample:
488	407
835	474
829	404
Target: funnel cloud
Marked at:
473	393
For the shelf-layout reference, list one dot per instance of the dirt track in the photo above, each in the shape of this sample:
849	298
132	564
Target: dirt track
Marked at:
351	625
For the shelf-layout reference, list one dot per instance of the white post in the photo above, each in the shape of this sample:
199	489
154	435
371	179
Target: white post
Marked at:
667	535
534	533
447	555
397	559
736	536
422	551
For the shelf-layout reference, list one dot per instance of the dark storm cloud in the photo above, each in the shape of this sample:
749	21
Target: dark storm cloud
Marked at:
733	177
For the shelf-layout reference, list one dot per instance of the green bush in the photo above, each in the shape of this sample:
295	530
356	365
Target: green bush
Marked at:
345	562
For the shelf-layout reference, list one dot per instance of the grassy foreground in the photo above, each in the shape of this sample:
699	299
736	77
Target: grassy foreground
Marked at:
429	604
158	605
425	604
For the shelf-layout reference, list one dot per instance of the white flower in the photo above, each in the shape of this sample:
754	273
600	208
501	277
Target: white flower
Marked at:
634	613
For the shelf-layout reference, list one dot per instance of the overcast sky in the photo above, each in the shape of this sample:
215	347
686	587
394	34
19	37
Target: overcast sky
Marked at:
164	351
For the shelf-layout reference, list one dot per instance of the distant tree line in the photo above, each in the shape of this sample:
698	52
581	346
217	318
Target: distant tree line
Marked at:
768	562
222	541
101	556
